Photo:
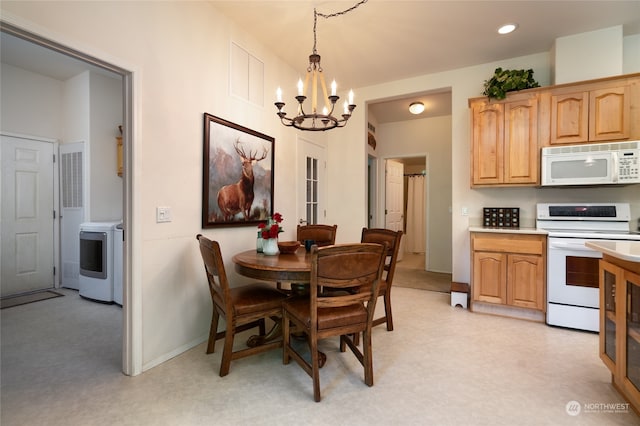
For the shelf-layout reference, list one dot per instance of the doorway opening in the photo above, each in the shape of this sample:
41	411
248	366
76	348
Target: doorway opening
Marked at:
414	186
45	49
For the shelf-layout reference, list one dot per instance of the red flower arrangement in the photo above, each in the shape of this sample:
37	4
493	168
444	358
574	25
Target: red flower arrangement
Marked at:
271	228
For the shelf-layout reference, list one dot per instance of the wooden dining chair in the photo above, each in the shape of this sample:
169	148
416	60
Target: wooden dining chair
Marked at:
242	307
392	239
356	268
323	235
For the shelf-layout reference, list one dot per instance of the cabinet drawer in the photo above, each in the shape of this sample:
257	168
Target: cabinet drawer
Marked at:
530	244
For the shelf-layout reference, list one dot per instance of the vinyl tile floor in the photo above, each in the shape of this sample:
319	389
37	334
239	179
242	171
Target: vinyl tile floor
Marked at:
440	366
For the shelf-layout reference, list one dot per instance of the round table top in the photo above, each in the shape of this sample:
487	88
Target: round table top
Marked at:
295	267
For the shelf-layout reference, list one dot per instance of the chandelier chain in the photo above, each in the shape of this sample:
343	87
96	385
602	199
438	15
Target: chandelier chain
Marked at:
331	15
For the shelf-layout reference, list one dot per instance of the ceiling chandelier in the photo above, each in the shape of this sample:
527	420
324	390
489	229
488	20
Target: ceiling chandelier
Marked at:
313	120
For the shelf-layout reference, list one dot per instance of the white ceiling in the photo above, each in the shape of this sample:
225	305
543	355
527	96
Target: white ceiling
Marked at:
384	40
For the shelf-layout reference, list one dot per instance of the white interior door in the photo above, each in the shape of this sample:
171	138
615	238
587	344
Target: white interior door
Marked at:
27	227
394	198
311	182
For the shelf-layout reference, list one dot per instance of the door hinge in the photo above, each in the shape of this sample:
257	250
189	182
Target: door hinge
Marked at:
54	271
54	158
54	214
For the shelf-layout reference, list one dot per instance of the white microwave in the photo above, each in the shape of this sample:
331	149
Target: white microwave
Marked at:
591	164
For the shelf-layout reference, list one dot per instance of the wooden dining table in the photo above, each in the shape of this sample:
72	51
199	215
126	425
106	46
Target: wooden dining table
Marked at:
284	267
294	268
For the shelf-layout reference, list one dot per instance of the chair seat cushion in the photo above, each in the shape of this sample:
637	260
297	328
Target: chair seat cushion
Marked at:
256	297
299	308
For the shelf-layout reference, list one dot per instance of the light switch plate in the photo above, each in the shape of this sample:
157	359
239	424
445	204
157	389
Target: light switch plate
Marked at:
163	214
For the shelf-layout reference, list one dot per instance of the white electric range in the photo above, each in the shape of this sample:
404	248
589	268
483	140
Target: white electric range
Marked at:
572	268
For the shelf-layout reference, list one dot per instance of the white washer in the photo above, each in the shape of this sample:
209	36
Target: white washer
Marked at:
118	239
96	261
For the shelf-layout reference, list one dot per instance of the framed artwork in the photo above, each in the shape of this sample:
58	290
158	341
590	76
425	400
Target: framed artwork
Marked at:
237	182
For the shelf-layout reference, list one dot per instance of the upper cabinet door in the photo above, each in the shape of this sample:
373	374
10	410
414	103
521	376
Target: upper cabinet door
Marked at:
521	141
594	115
609	111
505	143
570	118
488	143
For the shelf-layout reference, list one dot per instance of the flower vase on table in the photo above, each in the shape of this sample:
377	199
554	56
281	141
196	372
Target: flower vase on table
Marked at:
270	247
269	232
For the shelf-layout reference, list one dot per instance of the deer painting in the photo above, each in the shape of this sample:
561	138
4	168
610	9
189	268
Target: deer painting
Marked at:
238	197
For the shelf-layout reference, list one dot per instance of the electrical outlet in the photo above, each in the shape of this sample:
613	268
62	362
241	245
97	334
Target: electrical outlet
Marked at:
163	214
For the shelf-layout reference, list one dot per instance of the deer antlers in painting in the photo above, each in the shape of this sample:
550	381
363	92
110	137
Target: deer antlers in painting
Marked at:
238	197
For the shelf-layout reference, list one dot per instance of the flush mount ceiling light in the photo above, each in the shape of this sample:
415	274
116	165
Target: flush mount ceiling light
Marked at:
508	28
313	120
416	108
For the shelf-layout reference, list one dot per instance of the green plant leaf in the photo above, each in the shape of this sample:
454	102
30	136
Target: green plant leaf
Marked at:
504	81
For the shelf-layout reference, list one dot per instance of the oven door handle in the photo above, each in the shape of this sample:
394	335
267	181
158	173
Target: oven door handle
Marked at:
568	246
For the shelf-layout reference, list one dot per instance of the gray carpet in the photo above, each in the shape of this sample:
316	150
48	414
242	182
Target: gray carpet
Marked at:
422	280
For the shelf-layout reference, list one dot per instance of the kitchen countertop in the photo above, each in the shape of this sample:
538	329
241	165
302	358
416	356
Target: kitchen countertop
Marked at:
520	230
625	250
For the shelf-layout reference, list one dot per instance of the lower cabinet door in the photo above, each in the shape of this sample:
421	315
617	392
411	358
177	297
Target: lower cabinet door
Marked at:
490	277
526	278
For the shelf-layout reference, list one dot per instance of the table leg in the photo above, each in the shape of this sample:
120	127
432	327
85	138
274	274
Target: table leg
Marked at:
273	334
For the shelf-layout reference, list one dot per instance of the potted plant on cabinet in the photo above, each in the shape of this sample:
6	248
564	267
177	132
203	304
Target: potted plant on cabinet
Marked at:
504	81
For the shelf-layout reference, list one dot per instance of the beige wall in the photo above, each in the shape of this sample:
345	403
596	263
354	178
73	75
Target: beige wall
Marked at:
430	138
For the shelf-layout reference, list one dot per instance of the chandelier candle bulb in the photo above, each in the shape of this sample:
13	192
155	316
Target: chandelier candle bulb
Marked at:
300	87
350	97
333	88
279	95
346	108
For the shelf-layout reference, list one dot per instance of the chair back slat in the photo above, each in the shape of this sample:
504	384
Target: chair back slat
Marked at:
323	235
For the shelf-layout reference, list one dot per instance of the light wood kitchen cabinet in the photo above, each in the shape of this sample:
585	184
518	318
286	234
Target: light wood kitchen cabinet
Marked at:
506	135
590	115
505	142
509	269
620	325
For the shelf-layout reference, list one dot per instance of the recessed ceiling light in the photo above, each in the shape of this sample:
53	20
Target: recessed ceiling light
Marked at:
508	28
416	108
